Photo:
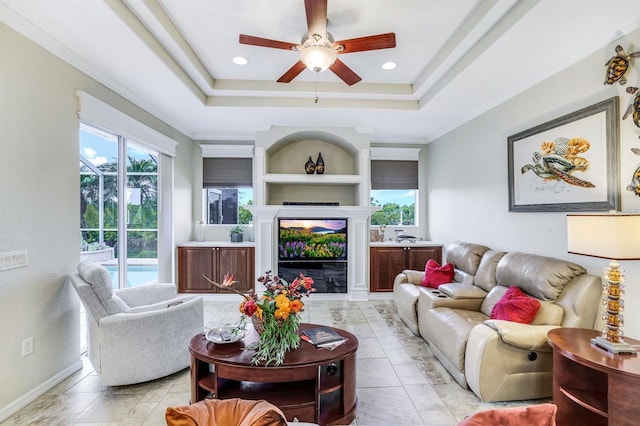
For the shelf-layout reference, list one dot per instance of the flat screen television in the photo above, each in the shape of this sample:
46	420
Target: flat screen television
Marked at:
312	239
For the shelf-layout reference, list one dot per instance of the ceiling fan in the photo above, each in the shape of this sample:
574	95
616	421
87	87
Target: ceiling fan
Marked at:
318	50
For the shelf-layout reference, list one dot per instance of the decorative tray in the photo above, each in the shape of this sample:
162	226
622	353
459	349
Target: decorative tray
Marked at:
226	333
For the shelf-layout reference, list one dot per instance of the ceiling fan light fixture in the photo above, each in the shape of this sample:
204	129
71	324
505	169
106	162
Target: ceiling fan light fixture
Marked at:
389	65
318	58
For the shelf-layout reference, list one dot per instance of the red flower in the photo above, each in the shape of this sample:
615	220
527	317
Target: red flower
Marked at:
250	307
308	283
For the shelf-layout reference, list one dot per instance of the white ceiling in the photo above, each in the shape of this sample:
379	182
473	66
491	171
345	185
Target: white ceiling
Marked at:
456	58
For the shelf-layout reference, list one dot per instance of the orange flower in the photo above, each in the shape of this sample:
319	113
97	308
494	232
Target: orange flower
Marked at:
296	306
282	313
282	301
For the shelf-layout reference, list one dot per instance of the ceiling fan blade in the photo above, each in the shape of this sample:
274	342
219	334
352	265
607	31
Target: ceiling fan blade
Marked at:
374	42
266	42
345	73
316	17
292	72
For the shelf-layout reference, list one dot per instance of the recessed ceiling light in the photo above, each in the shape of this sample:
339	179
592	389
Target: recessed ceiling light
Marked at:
389	65
239	60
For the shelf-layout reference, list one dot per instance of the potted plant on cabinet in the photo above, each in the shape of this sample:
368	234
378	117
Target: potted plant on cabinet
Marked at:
236	234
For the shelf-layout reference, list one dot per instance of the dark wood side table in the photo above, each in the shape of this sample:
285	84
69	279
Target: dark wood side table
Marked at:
591	386
312	385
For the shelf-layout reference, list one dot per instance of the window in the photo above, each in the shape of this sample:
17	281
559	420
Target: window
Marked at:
111	212
227	205
227	189
394	187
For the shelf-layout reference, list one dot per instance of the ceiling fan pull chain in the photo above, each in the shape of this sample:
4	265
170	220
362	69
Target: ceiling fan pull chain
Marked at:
317	78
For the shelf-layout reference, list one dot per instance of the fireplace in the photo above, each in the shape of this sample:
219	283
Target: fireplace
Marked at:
329	276
266	227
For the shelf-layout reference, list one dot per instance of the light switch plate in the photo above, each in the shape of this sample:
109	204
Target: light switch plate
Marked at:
13	259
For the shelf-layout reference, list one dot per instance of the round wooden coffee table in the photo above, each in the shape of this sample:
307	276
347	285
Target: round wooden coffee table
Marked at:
312	385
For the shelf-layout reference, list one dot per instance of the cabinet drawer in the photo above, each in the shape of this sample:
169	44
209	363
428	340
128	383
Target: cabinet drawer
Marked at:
302	414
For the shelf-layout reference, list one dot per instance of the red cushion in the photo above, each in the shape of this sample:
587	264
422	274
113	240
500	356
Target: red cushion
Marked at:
516	306
435	275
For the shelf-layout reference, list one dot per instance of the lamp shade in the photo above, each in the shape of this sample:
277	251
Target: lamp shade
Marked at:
318	58
609	236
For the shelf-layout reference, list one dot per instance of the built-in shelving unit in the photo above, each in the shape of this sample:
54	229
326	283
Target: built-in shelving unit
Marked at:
280	171
305	179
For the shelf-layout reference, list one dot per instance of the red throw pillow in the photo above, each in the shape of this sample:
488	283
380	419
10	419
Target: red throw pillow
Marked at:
515	306
435	275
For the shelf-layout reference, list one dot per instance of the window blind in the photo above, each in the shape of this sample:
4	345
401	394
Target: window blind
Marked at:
387	174
227	172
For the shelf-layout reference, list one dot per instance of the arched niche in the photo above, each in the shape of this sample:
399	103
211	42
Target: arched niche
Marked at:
290	153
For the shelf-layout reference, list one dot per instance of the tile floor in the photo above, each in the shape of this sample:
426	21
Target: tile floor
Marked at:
399	382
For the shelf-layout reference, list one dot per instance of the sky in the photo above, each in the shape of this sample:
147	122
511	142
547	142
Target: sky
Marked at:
400	196
100	149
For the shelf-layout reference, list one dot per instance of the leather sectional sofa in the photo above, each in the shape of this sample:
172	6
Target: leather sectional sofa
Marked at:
499	360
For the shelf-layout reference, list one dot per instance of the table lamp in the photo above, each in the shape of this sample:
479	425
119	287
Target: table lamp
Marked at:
613	236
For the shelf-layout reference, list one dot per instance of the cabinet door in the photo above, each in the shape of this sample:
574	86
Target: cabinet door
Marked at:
239	260
192	263
417	257
385	264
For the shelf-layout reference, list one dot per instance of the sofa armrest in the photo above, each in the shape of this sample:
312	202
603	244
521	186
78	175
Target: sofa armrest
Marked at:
414	277
432	298
462	291
146	294
408	277
124	334
523	336
158	306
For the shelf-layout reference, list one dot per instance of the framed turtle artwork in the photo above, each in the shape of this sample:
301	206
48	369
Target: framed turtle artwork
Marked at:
570	163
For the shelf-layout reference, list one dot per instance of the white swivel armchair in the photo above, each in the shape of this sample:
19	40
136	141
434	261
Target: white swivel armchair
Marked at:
136	334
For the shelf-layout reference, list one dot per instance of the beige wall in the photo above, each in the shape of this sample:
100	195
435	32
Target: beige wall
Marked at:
39	205
468	182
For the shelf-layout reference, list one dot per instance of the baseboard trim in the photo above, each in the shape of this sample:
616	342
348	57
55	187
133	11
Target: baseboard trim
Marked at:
11	408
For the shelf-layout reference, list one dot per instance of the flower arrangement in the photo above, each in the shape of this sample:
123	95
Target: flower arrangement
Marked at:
274	314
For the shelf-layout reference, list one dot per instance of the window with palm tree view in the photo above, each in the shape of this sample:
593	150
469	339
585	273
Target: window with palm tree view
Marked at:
119	206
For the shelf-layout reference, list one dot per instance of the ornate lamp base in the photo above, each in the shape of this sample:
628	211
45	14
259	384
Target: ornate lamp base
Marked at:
616	348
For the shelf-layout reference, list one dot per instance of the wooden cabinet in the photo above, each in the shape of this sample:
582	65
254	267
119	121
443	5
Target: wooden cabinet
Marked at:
388	261
214	262
590	385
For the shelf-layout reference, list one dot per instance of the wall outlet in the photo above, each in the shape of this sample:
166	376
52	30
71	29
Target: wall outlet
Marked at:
27	346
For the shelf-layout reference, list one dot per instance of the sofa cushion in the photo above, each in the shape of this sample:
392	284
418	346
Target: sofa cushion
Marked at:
515	306
486	273
99	279
461	276
465	256
549	314
448	329
222	412
540	414
436	275
541	277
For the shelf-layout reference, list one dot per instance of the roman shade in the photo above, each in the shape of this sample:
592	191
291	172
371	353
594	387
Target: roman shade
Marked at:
227	172
394	174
